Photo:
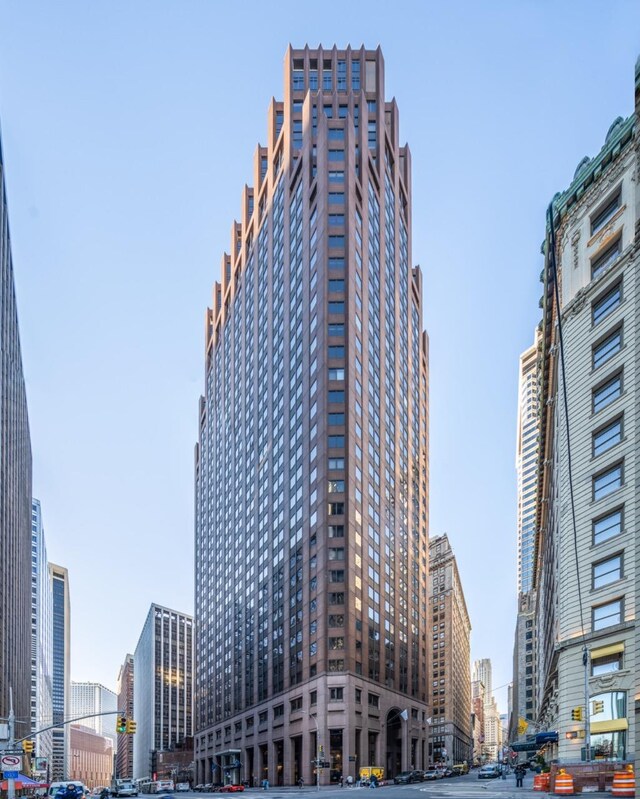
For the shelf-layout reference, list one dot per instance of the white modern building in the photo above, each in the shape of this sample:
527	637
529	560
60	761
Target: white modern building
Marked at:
89	698
527	463
482	672
163	686
587	576
522	709
41	638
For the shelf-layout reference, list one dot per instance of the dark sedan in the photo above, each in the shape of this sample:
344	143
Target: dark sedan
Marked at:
405	777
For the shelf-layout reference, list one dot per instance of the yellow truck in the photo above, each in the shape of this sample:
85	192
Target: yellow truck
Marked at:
366	772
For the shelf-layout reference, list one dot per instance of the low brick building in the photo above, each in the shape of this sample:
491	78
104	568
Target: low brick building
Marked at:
91	757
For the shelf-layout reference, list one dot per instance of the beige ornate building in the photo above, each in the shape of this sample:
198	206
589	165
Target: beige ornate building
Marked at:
587	577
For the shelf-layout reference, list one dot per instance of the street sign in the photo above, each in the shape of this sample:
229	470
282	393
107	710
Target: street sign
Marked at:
11	775
10	762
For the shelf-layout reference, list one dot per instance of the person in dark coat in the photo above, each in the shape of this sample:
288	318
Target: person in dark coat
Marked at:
519	775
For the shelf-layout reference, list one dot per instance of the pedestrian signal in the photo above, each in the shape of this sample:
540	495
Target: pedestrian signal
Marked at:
121	724
131	726
576	714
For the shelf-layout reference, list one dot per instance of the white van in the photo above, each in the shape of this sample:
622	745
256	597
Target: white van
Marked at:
121	787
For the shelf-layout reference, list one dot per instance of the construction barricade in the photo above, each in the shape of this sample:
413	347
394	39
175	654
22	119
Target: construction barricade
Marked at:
624	783
541	782
563	783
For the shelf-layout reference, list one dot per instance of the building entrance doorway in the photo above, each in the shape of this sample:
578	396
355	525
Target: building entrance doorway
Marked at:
393	765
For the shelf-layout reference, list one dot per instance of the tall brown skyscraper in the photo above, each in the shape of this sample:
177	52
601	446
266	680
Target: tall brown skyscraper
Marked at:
312	462
124	689
451	740
15	497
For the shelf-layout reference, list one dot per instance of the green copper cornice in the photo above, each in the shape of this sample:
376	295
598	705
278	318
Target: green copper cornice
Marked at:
590	169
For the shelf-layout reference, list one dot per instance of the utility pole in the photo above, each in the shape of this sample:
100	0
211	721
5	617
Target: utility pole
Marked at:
11	783
587	706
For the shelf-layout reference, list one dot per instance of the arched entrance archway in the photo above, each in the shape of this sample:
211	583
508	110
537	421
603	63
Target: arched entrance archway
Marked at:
393	725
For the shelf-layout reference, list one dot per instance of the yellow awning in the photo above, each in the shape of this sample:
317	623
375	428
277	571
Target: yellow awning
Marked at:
603	651
613	725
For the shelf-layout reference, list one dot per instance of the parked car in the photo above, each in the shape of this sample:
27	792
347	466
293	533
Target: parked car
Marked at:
447	772
182	787
405	777
432	774
488	772
231	788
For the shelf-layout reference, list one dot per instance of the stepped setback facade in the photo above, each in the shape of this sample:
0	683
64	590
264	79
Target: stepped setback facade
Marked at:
312	462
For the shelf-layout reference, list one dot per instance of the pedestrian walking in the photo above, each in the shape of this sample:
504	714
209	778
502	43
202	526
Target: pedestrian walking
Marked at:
341	781
300	782
349	781
519	776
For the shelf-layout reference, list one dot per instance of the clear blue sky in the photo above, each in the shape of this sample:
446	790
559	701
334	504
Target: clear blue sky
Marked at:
129	129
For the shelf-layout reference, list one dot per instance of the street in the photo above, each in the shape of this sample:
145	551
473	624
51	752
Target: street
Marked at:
465	787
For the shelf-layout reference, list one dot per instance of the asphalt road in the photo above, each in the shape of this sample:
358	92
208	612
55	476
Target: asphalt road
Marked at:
466	787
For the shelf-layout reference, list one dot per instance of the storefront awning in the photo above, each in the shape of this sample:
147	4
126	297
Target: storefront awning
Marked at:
547	737
613	725
603	651
527	746
22	781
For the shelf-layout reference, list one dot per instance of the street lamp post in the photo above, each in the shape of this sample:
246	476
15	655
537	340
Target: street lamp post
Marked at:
317	759
315	720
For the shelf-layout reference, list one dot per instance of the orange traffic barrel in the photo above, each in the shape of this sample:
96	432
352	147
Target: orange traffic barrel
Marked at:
624	783
541	781
564	783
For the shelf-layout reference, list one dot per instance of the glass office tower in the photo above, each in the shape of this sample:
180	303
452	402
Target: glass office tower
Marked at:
61	672
15	496
312	461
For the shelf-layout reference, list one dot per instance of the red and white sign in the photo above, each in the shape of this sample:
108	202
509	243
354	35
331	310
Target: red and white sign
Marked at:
10	763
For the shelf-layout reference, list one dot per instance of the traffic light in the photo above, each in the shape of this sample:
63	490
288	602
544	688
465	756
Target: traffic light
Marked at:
121	724
27	746
598	706
576	714
131	726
